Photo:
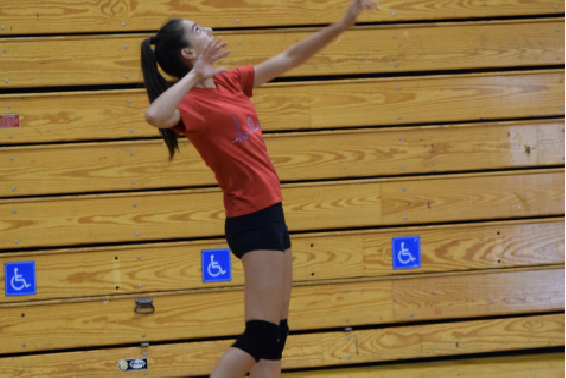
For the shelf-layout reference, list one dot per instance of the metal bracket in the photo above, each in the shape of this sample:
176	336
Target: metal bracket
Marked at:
144	305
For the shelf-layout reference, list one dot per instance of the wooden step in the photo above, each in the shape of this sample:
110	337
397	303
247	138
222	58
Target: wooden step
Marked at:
112	59
90	167
193	314
50	117
311	350
318	257
547	365
198	213
52	16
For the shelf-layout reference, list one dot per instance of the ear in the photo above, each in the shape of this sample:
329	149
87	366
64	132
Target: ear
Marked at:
188	54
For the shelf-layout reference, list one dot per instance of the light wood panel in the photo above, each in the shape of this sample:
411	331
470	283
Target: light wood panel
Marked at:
116	59
89	219
548	365
56	16
506	196
105	271
341	304
313	350
450	339
297	156
298	106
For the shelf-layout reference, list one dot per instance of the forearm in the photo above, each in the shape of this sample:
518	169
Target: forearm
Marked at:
165	105
304	49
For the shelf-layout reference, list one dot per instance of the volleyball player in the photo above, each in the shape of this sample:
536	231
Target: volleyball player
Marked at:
211	107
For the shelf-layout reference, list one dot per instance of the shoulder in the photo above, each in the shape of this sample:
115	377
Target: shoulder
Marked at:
240	78
237	74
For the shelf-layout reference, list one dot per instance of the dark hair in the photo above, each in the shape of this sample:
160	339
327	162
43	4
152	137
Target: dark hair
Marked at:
169	42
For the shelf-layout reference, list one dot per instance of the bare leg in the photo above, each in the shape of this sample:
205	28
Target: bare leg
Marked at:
264	285
235	363
267	368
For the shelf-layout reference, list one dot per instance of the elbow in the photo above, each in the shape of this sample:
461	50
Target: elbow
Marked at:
293	57
151	118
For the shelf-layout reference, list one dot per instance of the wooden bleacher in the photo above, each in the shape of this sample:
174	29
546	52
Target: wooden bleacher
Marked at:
549	365
454	131
38	16
112	59
336	154
56	117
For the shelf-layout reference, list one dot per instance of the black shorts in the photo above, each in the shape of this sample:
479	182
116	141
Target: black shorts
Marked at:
264	229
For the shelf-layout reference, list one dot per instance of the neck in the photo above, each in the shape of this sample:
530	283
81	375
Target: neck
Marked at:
208	83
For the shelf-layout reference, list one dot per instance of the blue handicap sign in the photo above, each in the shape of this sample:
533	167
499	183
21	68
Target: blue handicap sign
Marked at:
406	252
20	278
216	265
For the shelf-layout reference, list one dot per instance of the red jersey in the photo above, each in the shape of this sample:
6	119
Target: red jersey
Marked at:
222	124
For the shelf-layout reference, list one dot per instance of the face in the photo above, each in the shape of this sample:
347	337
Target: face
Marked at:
199	37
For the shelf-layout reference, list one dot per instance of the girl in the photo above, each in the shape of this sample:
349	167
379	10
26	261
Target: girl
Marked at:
211	107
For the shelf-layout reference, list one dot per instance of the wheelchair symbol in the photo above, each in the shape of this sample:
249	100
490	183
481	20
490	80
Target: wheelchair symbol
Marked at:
404	252
214	265
18	278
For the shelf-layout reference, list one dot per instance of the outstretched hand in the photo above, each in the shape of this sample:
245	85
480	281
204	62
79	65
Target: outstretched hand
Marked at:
203	67
355	8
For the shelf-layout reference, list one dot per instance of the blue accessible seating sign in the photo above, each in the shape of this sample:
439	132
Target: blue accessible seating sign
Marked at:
216	265
20	278
406	252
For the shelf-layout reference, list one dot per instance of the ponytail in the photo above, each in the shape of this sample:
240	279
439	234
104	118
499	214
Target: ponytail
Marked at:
168	44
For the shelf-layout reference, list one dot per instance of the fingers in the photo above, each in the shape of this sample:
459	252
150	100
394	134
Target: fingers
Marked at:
365	4
370	5
219	70
220	47
211	45
220	55
215	42
214	45
214	50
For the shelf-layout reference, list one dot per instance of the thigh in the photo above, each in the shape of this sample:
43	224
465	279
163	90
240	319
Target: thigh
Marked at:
288	278
264	284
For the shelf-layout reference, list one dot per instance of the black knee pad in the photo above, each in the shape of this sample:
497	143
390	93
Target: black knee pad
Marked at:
258	339
277	352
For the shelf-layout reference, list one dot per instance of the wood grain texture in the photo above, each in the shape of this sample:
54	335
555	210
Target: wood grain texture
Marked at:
449	339
314	350
193	213
396	101
473	296
99	322
549	365
110	271
76	168
504	196
116	58
67	16
119	218
470	247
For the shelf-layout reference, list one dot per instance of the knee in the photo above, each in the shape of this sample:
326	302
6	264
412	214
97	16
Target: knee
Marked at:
277	352
259	339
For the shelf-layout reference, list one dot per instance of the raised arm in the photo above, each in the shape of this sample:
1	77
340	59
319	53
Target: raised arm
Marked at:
301	51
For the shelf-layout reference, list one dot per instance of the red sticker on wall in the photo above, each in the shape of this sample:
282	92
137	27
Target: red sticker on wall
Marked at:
9	121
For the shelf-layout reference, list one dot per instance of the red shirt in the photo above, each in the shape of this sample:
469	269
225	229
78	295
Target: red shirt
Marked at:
222	124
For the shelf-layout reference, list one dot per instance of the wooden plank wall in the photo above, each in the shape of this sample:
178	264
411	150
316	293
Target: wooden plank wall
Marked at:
439	120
